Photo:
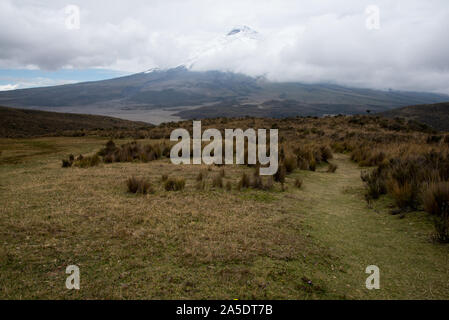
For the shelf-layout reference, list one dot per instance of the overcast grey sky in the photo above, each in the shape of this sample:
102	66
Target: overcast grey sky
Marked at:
308	41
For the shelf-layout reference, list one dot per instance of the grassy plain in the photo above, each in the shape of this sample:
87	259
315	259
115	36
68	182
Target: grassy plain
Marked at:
308	243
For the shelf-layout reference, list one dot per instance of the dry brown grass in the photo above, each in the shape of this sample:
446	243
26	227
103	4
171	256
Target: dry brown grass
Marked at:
247	244
436	202
181	237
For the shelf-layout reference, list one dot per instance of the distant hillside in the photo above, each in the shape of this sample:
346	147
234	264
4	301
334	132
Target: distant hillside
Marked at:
434	115
16	123
215	93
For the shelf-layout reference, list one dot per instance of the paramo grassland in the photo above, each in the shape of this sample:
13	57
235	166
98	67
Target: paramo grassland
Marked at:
350	192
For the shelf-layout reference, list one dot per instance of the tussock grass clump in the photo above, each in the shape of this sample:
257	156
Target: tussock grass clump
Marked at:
133	151
202	175
434	139
200	185
312	165
326	153
174	184
446	139
270	183
257	183
139	185
375	183
298	183
279	176
332	168
244	182
436	203
366	156
404	176
87	162
309	156
67	163
290	164
405	195
217	182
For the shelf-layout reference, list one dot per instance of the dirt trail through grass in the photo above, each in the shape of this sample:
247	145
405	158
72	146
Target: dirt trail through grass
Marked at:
411	266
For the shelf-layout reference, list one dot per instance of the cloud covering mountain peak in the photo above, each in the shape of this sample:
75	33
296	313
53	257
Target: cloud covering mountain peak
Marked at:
307	41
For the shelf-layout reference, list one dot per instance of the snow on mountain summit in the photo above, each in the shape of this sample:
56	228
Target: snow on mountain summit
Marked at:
237	40
244	31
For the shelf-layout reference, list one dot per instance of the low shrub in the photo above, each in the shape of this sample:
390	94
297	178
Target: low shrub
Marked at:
375	183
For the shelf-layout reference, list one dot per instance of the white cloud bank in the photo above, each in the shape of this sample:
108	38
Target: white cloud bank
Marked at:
309	41
8	87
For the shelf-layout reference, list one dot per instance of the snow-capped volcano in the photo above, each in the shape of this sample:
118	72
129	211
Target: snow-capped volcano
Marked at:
243	31
239	39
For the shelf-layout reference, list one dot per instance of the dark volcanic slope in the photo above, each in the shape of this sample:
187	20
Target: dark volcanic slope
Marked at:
28	123
434	115
232	94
